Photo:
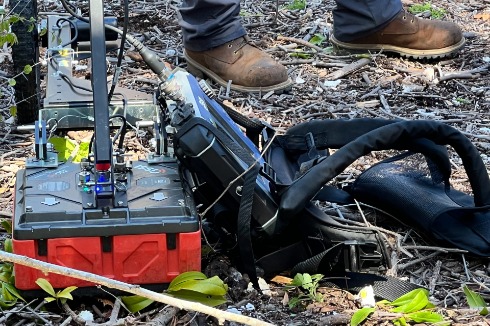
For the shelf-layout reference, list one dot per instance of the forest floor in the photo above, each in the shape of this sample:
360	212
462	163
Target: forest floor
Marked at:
453	90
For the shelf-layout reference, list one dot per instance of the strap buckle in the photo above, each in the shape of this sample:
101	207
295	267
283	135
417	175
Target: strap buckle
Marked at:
268	172
363	256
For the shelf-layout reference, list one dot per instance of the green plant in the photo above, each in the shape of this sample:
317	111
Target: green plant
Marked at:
414	306
306	286
427	6
475	301
191	286
296	5
8	293
61	295
318	39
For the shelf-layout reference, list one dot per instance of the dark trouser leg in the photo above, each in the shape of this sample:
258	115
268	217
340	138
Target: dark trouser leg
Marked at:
356	18
209	23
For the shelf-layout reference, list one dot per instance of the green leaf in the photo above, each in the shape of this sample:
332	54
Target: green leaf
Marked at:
484	311
400	322
66	293
83	149
27	69
135	303
293	302
208	300
474	299
8	245
6	304
210	286
425	317
407	298
185	277
420	300
46	286
12	290
13	112
300	55
7	225
63	146
49	299
317	39
12	82
307	281
297	280
360	315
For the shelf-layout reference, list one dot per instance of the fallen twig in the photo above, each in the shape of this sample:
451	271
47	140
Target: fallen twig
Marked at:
299	41
131	288
350	68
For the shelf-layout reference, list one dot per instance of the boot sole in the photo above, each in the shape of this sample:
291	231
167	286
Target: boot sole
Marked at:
200	71
404	52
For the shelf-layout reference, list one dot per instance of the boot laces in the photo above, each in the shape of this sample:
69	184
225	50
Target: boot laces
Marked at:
243	41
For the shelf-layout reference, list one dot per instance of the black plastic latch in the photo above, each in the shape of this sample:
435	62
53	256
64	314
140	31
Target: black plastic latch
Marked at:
42	247
106	244
362	256
268	172
171	241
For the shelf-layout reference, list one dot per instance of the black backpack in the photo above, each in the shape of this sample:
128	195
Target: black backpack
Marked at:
265	198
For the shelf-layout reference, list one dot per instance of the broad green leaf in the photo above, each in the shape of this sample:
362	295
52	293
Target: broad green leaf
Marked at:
210	286
419	302
360	315
83	149
66	293
484	311
6	294
317	39
46	286
407	298
425	317
6	304
185	277
63	146
27	69
474	299
135	303
7	225
307	281
297	280
12	290
8	245
208	300
4	277
12	82
49	299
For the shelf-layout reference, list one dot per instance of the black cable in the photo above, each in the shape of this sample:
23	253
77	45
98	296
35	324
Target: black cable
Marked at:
121	133
121	49
72	85
73	25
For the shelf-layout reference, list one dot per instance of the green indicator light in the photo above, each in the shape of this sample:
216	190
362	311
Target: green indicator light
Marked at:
86	189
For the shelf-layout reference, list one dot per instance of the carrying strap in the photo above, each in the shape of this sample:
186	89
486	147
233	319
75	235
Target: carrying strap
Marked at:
337	133
244	223
246	202
390	136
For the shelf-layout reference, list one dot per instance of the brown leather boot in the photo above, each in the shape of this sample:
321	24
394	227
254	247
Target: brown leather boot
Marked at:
411	36
249	68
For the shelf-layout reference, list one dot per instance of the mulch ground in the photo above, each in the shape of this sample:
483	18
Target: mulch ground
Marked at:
452	90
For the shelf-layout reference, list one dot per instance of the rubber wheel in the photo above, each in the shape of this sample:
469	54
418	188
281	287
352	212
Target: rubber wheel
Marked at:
26	52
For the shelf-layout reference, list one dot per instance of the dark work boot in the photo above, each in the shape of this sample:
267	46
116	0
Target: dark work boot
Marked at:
248	68
410	36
